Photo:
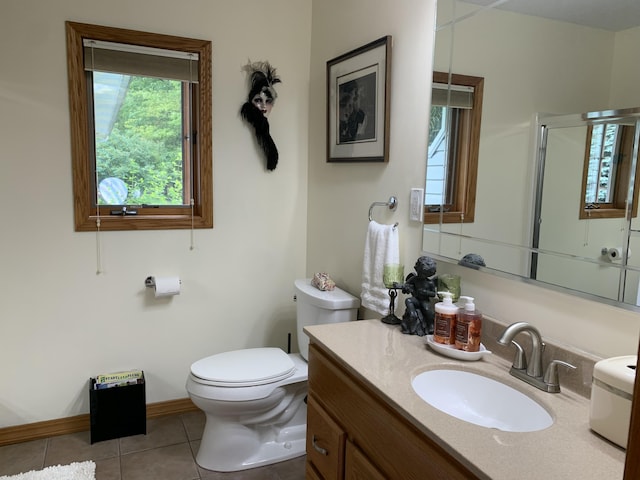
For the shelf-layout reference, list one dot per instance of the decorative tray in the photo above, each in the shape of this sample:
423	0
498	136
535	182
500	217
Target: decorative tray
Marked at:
453	352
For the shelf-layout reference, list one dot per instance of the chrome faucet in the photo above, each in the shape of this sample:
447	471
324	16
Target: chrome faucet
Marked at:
531	371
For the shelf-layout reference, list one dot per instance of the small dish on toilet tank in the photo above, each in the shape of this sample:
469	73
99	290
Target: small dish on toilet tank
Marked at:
611	396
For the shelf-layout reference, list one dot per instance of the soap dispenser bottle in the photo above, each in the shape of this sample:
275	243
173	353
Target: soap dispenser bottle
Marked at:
445	320
468	327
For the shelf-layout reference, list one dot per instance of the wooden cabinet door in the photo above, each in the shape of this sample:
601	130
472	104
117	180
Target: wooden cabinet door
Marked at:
325	442
310	472
358	467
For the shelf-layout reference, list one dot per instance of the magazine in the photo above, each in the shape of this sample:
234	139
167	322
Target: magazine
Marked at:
118	379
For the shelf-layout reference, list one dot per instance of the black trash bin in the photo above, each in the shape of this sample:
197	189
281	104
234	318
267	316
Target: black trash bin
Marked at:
118	410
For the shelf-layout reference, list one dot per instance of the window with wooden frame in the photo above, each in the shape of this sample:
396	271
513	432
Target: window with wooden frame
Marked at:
607	171
140	108
454	141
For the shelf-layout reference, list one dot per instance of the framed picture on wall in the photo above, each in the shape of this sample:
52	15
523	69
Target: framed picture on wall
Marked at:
358	100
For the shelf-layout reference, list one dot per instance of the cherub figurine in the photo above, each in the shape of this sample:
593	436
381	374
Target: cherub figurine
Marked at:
419	315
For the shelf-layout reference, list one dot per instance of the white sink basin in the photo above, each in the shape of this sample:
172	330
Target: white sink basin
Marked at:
480	400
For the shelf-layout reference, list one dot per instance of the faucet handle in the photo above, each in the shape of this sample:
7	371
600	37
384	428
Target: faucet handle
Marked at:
551	374
520	360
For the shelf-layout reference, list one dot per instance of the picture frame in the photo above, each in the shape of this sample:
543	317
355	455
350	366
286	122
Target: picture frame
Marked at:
358	101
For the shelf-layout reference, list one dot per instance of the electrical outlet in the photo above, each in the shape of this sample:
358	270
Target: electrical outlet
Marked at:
416	206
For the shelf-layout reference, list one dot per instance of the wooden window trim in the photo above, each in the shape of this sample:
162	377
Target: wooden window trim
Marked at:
464	203
85	215
617	209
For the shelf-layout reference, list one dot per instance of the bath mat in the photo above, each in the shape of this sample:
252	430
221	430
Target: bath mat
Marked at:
74	471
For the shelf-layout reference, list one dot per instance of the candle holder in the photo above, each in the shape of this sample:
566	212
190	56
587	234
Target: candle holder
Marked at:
392	277
449	283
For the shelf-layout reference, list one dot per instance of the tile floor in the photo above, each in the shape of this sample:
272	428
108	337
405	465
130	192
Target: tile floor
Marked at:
166	452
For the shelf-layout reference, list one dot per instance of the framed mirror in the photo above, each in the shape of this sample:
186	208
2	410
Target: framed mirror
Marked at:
544	65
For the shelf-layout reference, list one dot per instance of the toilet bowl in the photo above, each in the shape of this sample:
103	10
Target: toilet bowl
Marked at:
254	399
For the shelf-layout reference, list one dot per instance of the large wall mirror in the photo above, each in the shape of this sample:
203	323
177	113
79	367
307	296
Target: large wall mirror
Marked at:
556	77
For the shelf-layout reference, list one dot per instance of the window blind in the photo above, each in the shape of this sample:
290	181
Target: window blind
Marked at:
456	96
138	60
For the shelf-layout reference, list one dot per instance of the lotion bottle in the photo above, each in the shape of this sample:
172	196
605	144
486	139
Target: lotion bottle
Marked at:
468	327
445	320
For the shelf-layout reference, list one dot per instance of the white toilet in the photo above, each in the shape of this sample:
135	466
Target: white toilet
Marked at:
254	399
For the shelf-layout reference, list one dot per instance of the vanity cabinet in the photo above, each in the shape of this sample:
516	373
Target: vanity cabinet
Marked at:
358	467
354	434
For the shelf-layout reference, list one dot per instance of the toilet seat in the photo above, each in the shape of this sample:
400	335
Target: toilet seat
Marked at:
244	368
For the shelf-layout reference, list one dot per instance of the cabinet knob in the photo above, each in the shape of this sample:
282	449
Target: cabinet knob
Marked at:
320	450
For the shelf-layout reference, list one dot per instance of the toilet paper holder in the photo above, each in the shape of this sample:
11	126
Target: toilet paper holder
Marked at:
614	253
150	282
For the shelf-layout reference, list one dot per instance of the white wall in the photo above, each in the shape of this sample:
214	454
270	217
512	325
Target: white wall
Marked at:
340	194
625	91
60	323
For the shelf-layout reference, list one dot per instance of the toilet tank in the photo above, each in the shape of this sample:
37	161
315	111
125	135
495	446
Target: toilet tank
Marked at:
314	307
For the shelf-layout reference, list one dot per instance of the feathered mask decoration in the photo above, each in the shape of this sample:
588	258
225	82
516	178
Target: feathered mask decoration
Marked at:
262	77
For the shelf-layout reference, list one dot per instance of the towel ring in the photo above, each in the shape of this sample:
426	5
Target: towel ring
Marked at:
392	204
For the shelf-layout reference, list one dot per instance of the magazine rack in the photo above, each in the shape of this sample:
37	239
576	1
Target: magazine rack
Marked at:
118	411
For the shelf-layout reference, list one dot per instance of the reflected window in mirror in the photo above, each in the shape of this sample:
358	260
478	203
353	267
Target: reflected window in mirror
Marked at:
454	140
607	167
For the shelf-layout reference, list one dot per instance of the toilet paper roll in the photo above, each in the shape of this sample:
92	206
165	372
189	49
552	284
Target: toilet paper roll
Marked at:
166	286
615	254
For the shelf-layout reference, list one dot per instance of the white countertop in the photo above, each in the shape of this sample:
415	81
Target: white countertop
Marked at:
388	361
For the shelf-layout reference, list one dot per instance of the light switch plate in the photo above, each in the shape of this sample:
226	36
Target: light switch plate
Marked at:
416	206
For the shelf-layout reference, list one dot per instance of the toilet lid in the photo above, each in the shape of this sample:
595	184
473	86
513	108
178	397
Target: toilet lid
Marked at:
252	366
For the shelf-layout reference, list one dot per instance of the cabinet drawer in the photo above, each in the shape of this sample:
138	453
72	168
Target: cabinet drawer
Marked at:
325	442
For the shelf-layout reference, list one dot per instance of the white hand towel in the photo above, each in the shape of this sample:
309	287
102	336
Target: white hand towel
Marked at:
381	246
